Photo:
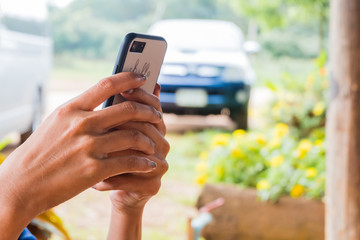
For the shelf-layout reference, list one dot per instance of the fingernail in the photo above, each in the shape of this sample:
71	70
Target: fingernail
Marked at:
130	91
160	114
153	165
141	77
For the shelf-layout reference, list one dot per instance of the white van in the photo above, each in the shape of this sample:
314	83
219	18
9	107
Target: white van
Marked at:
25	64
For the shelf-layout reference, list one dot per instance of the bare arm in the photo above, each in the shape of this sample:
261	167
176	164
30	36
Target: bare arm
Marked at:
125	224
71	151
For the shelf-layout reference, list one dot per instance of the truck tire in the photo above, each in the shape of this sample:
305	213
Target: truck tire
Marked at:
240	117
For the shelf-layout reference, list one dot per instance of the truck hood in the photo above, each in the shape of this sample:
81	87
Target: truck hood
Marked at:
208	57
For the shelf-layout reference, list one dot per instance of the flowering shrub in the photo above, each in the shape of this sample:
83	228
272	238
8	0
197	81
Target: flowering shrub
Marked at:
288	159
274	162
302	104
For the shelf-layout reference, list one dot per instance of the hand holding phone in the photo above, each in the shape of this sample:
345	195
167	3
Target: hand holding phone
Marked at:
143	54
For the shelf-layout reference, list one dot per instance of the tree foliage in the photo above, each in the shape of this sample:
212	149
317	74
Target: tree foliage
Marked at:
94	28
282	13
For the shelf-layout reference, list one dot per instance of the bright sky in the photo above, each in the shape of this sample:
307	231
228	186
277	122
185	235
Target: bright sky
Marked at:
61	3
29	8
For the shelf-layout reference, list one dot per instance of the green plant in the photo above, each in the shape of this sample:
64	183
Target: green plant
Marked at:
302	104
274	161
288	158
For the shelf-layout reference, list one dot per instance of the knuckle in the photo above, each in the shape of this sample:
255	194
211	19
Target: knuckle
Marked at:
158	104
164	167
164	129
155	187
106	83
63	110
91	168
88	143
78	124
155	112
166	147
130	107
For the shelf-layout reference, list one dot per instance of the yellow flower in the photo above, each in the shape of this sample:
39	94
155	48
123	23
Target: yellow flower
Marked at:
277	161
263	185
318	142
239	133
275	143
2	158
237	153
281	129
201	180
220	171
304	147
319	109
220	140
204	155
311	172
201	167
297	191
260	139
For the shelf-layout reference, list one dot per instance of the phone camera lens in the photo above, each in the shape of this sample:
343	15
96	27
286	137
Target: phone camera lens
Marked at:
137	47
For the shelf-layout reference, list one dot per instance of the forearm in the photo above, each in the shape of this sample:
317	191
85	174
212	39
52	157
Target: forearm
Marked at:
125	225
14	217
11	226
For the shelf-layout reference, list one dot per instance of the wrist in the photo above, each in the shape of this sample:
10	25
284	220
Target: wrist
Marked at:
128	210
126	222
13	216
127	203
17	194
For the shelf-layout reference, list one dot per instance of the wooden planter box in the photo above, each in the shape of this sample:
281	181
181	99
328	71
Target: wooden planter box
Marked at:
243	217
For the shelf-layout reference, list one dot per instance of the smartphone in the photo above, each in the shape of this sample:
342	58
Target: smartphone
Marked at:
139	53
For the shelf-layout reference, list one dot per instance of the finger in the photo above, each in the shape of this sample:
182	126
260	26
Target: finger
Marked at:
162	146
118	114
131	183
157	90
161	127
140	95
120	140
106	88
144	97
127	164
161	168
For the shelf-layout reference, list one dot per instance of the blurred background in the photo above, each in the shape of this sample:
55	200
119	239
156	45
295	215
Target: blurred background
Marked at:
244	89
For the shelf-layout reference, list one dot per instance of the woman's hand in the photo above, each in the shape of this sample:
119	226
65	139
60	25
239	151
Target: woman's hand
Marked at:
135	189
72	151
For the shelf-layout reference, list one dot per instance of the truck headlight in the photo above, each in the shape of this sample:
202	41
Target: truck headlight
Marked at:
233	74
174	70
208	71
241	96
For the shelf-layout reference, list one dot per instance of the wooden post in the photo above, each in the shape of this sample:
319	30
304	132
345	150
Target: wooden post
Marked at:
343	126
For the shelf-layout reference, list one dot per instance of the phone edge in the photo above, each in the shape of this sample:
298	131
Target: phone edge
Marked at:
121	56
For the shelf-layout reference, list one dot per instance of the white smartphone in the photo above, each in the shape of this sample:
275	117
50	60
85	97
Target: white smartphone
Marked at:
142	54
